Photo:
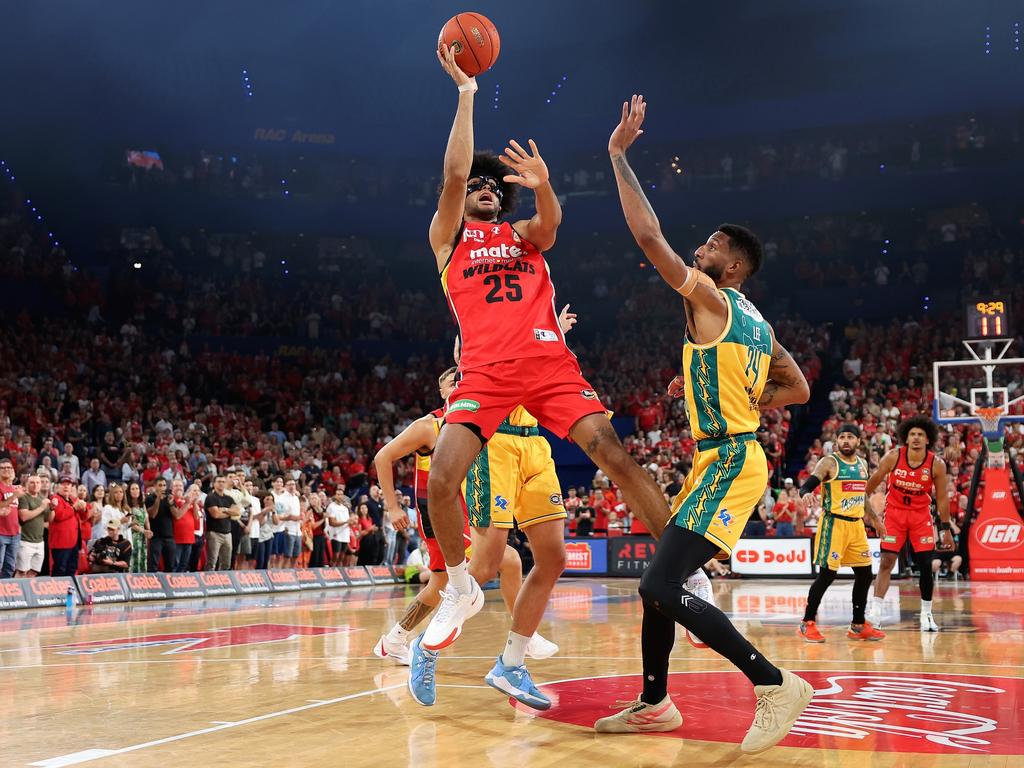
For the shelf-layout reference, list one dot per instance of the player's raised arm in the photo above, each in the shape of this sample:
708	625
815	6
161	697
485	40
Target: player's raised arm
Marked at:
786	384
532	172
643	222
885	466
420	434
458	159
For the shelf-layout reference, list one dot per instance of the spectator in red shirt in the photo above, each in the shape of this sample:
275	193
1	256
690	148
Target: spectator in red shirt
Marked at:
10	525
183	510
65	531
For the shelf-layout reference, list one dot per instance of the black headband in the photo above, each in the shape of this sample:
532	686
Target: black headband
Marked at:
853	429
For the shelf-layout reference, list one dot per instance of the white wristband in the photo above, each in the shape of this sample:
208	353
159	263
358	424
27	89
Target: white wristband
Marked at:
470	86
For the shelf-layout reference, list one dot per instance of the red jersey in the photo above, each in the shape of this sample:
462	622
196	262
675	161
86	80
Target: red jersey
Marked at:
910	487
10	524
500	293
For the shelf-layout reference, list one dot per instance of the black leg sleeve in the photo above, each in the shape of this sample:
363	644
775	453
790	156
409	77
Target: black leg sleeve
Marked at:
924	565
861	585
825	578
680	552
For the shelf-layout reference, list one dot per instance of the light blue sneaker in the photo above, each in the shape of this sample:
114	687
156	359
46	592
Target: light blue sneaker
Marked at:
516	682
422	665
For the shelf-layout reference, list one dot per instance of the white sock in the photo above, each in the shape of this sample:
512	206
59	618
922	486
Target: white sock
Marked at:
514	654
876	603
398	634
458	577
926	606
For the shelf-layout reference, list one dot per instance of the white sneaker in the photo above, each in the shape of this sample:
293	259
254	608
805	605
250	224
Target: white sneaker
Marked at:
639	717
873	614
454	611
540	647
388	648
928	622
700	585
778	707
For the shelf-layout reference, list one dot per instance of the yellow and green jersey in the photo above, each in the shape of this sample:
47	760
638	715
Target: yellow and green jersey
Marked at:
725	378
844	494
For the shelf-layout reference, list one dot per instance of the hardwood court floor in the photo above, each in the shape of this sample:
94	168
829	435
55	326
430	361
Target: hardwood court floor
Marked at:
290	680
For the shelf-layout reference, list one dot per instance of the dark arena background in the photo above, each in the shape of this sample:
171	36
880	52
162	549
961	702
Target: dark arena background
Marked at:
222	328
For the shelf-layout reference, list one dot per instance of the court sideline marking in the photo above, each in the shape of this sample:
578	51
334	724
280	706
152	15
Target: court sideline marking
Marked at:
88	755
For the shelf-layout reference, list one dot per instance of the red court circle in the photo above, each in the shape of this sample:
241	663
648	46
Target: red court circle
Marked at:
921	712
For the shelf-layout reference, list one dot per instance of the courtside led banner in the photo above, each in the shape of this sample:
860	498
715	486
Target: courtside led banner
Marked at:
772	557
586	556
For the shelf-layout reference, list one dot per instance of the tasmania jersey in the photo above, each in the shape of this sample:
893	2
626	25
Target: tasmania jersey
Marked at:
910	487
844	494
499	291
725	378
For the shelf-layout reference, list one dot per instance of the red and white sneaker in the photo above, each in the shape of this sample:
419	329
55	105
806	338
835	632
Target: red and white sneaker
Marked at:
640	717
454	611
389	648
700	585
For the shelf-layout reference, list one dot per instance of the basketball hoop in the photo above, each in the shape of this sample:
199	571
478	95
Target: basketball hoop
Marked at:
990	418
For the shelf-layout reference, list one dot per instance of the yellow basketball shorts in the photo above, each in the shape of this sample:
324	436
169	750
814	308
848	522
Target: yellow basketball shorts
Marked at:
724	487
513	478
841	542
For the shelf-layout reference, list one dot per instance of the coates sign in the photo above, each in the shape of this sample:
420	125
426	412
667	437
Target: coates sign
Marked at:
772	557
915	712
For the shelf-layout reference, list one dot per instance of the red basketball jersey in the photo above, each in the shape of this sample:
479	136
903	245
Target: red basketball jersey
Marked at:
500	293
910	487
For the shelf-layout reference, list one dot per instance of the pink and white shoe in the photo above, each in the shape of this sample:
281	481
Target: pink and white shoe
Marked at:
641	717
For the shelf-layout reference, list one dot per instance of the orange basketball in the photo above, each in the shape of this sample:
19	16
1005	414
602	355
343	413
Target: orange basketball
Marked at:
475	41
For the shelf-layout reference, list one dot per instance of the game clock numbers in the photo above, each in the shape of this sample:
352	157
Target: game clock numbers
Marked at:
988	319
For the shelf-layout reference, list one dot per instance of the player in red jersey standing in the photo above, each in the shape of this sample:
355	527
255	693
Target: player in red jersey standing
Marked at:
915	474
513	353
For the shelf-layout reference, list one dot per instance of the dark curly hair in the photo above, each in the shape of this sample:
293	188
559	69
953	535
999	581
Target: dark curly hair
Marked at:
918	422
489	164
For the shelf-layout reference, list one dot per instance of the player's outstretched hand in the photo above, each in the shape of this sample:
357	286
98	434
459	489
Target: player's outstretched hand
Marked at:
677	387
946	541
628	130
446	56
530	169
566	319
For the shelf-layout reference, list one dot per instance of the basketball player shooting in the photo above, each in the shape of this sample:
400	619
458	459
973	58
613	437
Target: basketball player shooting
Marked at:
734	367
913	473
499	290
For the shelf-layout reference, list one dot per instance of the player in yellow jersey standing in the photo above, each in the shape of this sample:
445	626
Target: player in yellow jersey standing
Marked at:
841	538
733	366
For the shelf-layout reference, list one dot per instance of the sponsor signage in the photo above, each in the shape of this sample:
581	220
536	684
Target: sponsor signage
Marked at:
586	556
381	574
772	557
629	555
357	576
183	584
250	582
146	586
309	578
103	587
217	583
284	580
996	539
13	594
332	577
45	591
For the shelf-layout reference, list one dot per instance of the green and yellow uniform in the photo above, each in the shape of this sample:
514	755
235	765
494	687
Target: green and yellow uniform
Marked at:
841	538
724	381
514	477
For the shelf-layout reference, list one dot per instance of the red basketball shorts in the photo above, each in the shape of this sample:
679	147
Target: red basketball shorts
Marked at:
902	524
552	389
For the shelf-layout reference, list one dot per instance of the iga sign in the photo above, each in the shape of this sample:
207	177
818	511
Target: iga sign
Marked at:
996	539
772	557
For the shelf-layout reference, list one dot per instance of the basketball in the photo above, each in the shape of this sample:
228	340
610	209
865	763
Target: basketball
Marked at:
475	41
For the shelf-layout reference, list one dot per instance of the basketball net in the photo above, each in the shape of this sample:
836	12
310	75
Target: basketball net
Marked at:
992	429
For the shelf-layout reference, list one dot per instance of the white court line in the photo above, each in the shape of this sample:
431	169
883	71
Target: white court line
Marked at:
88	755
